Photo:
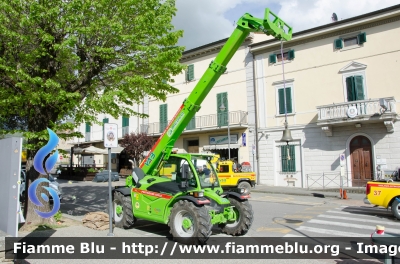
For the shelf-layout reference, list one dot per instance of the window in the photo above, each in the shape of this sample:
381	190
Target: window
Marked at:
355	88
190	73
354	81
163	117
281	101
350	41
125	125
125	121
277	56
87	129
288	158
222	116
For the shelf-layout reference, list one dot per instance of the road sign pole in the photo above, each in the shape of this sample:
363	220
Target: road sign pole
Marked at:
110	206
110	141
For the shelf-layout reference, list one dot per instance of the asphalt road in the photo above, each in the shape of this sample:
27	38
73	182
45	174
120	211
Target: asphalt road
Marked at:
275	215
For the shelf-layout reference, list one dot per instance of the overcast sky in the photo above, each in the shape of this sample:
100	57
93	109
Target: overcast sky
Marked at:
206	21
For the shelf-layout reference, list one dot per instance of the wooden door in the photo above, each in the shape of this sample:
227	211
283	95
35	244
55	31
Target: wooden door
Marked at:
361	160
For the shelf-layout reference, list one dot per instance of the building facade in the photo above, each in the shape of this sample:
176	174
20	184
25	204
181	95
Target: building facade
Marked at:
341	97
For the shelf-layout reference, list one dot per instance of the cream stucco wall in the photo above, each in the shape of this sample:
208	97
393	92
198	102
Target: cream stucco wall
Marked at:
316	77
233	82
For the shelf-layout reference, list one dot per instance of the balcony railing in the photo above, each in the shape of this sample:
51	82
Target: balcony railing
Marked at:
236	118
365	108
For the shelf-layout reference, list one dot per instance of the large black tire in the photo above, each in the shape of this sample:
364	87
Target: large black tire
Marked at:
396	208
246	186
198	218
125	219
243	223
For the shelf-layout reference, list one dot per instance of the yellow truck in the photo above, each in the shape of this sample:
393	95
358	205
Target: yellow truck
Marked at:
385	193
243	177
229	178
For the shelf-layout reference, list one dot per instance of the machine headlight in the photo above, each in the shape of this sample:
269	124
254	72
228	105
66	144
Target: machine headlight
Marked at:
198	194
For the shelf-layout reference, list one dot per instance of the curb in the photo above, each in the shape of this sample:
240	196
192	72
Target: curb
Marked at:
315	194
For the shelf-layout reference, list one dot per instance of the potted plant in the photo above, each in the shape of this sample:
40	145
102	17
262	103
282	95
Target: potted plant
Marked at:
90	174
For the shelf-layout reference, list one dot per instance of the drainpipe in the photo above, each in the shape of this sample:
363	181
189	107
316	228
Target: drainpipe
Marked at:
256	118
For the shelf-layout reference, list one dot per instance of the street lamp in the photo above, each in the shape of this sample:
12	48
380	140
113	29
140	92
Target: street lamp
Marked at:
222	108
287	136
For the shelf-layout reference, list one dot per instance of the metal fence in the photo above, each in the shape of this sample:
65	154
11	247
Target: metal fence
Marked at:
334	180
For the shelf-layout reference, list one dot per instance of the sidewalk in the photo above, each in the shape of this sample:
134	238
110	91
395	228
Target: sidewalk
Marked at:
352	193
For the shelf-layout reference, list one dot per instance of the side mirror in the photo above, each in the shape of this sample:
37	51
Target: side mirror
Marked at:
185	171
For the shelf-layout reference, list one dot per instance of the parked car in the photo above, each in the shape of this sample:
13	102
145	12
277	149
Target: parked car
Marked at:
54	184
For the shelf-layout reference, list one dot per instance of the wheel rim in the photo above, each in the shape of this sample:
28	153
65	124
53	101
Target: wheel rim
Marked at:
237	217
118	212
184	224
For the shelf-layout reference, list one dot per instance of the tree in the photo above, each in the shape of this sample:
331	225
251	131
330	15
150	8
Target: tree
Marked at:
135	144
79	58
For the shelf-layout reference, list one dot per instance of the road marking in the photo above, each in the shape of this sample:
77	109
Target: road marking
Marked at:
359	220
330	223
331	232
366	214
365	210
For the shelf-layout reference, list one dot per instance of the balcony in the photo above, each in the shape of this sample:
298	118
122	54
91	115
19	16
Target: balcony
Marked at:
203	123
363	111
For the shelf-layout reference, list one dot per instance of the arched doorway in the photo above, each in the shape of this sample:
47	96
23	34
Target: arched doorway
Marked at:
361	160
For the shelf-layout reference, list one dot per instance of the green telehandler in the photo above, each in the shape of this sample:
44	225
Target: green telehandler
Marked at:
189	202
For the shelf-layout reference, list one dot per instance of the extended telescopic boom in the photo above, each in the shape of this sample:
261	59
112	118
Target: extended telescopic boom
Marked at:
270	25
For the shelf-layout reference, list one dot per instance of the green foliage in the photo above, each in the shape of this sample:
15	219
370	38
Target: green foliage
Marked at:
58	216
91	170
75	59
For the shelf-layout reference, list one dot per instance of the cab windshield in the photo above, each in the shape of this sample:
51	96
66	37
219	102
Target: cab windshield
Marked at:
205	170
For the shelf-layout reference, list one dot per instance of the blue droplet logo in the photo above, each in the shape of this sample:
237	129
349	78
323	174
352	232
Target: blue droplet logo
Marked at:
44	151
49	164
34	199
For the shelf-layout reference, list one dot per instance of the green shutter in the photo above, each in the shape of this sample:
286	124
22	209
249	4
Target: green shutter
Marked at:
125	121
192	124
290	54
281	99
284	158
362	38
105	121
222	116
288	164
163	117
190	73
87	127
359	87
350	89
338	43
289	108
272	58
355	88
